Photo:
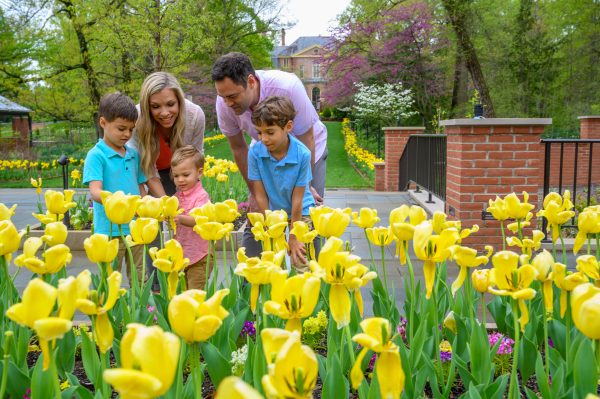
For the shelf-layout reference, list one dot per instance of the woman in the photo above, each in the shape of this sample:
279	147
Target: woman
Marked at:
166	122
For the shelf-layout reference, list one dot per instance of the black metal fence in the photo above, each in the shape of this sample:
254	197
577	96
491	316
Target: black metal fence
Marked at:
571	164
370	135
423	162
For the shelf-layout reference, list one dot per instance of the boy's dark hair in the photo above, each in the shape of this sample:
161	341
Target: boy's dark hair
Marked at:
187	152
235	66
117	105
273	110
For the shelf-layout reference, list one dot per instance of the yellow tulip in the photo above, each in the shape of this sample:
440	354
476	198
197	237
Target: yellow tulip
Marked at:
415	214
588	264
293	298
149	358
170	260
6	213
380	236
37	303
258	271
330	222
294	372
557	211
403	230
516	209
48	217
235	388
543	264
49	329
55	258
119	208
59	203
366	218
377	337
527	245
465	258
213	231
588	222
103	330
450	322
55	233
566	281
9	239
150	207
431	249
170	209
272	341
498	209
143	231
37	184
75	175
226	211
521	224
99	249
585	309
345	274
71	289
195	318
481	280
305	235
513	281
270	229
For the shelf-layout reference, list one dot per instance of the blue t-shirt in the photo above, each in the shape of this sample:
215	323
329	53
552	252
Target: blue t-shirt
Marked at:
117	173
281	177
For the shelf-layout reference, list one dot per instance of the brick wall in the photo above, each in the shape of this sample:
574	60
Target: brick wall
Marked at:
395	141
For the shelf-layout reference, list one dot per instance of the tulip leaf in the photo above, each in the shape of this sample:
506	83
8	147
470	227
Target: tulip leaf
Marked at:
42	382
557	331
335	385
408	370
472	392
374	391
584	371
19	381
80	391
463	370
416	347
217	366
497	389
235	325
65	356
558	376
481	366
21	346
530	394
542	379
527	355
500	311
90	359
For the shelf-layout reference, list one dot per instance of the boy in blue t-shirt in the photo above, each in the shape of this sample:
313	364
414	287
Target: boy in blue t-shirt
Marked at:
279	168
113	166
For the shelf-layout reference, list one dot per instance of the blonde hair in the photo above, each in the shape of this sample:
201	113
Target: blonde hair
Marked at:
148	143
187	152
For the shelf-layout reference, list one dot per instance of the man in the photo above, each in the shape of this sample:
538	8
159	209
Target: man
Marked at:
240	88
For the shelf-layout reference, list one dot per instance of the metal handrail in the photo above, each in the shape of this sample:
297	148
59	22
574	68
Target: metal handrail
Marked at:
423	162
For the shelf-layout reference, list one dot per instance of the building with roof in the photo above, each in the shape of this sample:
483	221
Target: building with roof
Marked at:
20	118
303	57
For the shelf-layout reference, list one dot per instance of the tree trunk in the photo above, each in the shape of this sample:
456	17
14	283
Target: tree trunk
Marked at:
459	86
157	39
458	19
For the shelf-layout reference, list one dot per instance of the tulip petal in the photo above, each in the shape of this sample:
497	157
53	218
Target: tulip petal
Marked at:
390	374
339	302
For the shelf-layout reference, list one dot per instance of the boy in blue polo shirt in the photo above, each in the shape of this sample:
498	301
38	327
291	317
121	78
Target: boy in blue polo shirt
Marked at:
112	166
279	168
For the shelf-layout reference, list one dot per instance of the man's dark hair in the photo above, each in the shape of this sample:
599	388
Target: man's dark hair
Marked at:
117	105
235	66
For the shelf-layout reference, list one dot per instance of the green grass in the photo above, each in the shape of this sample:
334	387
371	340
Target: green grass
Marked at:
340	173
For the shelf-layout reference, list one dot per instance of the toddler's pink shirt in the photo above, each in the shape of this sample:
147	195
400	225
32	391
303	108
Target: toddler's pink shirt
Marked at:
194	247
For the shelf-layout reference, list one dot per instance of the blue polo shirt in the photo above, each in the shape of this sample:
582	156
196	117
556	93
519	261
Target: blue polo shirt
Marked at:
117	173
281	177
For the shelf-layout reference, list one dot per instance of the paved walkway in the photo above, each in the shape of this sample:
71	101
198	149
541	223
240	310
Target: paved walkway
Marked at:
384	202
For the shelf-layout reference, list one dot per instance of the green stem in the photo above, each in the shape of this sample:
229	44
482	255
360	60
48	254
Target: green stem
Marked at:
568	326
208	259
225	267
133	273
180	363
503	236
7	337
196	371
436	323
349	344
387	293
564	250
483	309
370	247
213	249
546	351
513	389
143	277
597	246
597	342
104	387
468	295
263	300
413	294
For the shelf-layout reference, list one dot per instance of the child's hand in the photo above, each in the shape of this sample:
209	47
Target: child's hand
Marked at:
177	219
297	251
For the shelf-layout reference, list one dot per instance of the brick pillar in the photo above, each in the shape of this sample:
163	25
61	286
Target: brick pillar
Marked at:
489	157
379	176
395	141
589	127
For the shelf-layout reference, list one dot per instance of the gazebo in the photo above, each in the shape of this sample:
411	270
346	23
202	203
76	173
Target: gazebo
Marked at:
21	121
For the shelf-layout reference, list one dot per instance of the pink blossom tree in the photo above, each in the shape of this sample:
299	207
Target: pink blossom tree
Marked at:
397	46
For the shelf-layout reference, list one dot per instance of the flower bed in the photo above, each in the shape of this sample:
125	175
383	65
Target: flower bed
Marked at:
260	329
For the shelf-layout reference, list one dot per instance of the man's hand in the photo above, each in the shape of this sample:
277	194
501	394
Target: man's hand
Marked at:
297	251
316	196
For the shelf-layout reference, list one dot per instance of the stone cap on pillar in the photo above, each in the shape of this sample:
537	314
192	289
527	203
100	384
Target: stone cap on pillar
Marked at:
497	122
589	117
403	128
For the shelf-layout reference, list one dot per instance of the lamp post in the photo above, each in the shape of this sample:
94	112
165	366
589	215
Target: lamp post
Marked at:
64	162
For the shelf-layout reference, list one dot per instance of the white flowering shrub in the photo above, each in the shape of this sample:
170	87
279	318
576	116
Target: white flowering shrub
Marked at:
386	102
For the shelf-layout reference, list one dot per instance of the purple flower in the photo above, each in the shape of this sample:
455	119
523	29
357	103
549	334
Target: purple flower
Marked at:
445	356
506	344
550	342
27	393
248	329
372	361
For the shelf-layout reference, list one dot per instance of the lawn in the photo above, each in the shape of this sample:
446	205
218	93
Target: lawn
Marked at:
340	173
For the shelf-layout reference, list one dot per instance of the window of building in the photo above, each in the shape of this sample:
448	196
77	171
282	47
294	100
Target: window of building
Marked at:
316	98
301	71
316	70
